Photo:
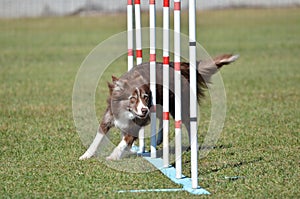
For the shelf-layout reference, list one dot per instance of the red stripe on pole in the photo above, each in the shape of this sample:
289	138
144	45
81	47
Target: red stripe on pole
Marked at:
166	115
130	52
139	53
176	5
177	66
166	60
166	3
152	57
152	2
137	2
178	124
129	2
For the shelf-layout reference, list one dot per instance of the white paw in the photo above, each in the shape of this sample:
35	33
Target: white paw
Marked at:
86	155
109	158
115	155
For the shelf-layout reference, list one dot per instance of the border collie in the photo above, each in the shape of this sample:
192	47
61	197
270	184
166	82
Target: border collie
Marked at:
130	101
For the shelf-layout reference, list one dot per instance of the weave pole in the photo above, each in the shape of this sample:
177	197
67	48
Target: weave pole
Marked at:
166	49
152	23
174	174
193	93
177	89
129	34
139	60
138	32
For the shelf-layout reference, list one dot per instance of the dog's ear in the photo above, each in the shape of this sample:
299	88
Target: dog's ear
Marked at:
110	87
225	59
121	85
114	79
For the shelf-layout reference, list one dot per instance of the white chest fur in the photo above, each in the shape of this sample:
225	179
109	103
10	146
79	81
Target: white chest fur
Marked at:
123	120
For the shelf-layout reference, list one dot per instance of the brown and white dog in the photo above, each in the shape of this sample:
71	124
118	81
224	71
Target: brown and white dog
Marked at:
130	101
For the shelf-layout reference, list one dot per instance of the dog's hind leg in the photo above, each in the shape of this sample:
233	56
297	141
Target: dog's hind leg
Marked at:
125	143
105	125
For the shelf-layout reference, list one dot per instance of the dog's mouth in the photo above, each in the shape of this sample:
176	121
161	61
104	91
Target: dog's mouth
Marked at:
145	113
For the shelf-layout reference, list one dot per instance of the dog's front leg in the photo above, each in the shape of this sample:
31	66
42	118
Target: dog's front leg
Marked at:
90	152
106	124
125	143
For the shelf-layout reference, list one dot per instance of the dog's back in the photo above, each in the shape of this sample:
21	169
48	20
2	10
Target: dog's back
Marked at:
205	71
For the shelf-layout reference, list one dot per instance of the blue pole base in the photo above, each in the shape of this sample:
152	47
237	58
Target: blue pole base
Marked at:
170	172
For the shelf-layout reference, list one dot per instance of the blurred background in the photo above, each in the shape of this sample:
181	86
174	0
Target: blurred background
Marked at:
35	8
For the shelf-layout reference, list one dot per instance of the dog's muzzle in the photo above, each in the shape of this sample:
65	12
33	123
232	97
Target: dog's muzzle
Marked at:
143	115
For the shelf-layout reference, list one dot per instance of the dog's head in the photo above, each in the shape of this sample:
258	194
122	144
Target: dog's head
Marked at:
131	95
140	101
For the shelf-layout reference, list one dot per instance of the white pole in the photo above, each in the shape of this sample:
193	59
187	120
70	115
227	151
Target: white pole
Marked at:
193	93
129	34
138	33
177	80
139	59
166	48
152	23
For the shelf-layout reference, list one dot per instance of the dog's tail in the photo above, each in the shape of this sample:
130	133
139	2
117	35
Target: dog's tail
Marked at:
207	68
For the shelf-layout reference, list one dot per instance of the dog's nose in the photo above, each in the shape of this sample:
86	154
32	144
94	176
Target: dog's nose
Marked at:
144	111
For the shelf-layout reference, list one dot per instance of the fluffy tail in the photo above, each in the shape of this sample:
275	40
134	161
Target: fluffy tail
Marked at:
207	68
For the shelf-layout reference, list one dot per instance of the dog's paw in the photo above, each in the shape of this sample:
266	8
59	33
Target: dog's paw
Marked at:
112	157
86	155
115	155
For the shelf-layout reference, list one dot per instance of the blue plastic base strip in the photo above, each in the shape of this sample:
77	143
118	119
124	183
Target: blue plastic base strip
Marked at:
170	172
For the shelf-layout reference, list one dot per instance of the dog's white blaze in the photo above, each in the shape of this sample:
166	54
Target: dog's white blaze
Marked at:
140	105
118	151
138	91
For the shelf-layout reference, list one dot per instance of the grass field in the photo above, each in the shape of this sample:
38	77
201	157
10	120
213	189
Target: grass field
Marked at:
39	144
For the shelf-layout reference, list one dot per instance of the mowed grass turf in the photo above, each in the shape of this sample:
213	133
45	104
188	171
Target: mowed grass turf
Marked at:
258	148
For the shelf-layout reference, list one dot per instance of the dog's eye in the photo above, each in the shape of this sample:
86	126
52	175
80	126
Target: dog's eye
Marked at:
132	99
146	97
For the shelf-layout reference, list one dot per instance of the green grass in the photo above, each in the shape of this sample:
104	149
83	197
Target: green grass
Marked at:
39	144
